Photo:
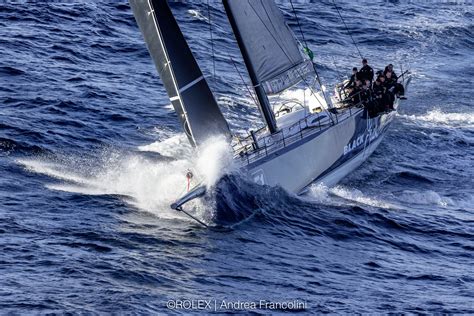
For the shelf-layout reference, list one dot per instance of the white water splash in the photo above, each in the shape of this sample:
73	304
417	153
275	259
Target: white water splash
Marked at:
358	196
148	185
332	196
428	197
323	194
175	147
319	193
196	14
438	117
214	160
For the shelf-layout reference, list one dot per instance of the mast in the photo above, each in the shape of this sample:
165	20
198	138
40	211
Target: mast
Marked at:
184	82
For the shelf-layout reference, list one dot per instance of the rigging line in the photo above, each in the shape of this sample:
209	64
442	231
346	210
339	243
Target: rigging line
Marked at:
324	95
288	57
305	43
318	78
347	29
212	42
299	25
268	30
337	71
242	78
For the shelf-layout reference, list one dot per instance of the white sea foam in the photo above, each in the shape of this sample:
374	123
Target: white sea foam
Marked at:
439	117
196	14
428	197
323	194
359	197
148	185
319	192
332	196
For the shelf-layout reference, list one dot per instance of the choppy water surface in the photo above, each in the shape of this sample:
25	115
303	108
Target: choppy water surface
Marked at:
91	156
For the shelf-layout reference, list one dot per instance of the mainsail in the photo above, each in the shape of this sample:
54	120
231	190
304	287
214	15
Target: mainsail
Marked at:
269	48
185	84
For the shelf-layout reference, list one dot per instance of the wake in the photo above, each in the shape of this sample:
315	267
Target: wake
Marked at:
437	117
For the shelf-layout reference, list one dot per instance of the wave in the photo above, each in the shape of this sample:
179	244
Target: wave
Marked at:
340	195
409	177
427	197
198	15
9	147
344	196
7	70
442	127
145	185
463	201
438	117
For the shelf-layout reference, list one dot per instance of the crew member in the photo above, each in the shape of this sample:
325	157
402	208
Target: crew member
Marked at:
379	92
355	95
390	86
353	79
389	68
366	72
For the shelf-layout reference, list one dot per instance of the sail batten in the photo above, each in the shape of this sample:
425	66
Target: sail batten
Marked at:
182	78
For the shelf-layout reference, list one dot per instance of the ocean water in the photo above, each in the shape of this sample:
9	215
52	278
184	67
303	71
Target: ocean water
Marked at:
91	156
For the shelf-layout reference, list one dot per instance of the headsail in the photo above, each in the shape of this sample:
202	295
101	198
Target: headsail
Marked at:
269	48
185	84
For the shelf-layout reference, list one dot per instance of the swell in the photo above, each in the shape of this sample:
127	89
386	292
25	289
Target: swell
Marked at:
85	115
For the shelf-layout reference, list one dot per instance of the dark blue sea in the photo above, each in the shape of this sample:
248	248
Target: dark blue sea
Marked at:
92	154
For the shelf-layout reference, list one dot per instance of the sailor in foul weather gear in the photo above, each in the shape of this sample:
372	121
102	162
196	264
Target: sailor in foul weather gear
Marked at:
395	87
368	100
365	94
390	86
355	95
379	92
366	72
389	68
387	98
353	79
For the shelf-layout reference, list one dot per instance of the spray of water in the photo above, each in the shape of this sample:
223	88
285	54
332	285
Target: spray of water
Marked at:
147	184
215	159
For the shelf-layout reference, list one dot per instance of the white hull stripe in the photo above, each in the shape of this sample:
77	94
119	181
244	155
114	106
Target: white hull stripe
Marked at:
174	98
192	83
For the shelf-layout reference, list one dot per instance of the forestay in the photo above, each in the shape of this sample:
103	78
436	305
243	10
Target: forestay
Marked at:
185	84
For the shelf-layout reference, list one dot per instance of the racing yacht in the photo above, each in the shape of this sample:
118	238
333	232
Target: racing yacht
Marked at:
302	142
